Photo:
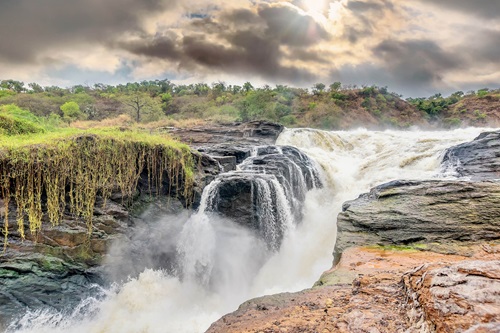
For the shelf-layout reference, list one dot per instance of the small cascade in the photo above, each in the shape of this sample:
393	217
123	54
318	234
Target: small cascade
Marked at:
266	193
264	196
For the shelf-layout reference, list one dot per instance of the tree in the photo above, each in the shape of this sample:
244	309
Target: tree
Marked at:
247	86
71	111
13	85
35	87
201	89
218	88
318	88
335	86
143	106
166	99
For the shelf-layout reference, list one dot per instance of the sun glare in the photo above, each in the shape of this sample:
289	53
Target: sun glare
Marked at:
335	10
315	6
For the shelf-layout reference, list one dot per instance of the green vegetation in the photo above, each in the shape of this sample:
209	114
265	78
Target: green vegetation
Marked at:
399	248
333	106
436	104
48	171
14	120
71	111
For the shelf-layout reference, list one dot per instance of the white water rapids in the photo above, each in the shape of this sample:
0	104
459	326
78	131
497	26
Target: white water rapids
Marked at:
352	163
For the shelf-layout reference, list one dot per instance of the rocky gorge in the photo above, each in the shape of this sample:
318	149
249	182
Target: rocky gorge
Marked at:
410	255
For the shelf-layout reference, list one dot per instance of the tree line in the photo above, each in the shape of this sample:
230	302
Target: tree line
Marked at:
153	100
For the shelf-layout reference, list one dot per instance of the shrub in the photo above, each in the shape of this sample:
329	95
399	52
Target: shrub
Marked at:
479	115
482	92
15	121
288	120
71	111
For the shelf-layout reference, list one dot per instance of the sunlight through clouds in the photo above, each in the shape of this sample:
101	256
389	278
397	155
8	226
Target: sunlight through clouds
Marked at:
296	42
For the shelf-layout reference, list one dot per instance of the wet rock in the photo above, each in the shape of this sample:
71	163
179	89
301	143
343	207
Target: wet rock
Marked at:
57	267
208	167
227	163
36	280
239	151
432	215
479	159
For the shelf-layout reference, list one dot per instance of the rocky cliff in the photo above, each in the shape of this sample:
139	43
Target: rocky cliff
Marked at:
410	256
59	265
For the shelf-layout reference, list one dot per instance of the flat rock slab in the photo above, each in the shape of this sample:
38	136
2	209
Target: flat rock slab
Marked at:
251	133
433	215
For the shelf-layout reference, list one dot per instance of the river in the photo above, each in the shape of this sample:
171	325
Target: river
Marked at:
236	263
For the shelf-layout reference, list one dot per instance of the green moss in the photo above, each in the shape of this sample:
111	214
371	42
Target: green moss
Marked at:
404	248
70	168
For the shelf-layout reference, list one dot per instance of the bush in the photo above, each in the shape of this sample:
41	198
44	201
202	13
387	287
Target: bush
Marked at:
14	121
9	125
71	111
223	114
480	115
482	92
288	120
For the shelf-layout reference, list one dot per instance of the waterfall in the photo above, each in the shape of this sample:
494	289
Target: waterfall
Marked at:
225	262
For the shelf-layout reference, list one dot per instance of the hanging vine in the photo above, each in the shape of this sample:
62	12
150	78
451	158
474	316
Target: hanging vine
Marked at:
70	173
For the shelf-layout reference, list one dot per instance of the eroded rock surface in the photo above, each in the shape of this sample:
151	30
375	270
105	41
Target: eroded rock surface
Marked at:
58	266
457	297
366	292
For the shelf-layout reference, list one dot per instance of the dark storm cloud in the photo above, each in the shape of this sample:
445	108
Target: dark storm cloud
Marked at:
484	8
249	53
163	47
308	56
484	46
366	15
29	27
417	62
241	42
411	67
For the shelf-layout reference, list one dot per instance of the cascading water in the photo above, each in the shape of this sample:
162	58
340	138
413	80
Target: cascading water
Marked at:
266	193
222	261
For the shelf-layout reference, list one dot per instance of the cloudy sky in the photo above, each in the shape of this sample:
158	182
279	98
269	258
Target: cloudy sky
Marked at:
415	47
